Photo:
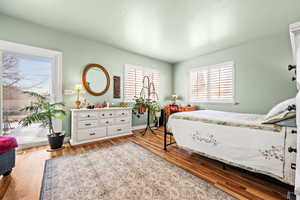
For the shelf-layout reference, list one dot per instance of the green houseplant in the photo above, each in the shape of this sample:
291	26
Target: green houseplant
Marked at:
41	110
141	106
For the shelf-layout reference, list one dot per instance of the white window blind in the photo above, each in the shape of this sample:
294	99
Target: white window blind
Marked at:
213	84
133	81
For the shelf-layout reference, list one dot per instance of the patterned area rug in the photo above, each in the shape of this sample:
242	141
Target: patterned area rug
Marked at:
123	171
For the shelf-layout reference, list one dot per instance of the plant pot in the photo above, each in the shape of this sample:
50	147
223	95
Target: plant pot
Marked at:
142	109
56	142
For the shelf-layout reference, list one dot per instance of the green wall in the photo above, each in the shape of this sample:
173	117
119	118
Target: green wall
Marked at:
261	75
261	81
77	53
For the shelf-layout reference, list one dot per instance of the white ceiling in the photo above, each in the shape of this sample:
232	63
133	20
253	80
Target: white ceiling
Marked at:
170	30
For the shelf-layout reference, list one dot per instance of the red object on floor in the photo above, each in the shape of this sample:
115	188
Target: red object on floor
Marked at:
7	144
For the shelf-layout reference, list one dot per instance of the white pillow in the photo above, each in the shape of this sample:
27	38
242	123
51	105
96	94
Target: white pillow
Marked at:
280	108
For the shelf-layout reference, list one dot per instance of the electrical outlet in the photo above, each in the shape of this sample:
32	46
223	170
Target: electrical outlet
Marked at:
68	92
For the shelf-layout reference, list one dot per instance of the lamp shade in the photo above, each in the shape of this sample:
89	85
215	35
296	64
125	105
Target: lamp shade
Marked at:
78	87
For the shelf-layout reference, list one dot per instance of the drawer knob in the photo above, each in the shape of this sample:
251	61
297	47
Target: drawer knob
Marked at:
92	133
119	129
123	113
294	131
293	166
102	114
122	120
107	122
110	114
88	115
88	124
291	149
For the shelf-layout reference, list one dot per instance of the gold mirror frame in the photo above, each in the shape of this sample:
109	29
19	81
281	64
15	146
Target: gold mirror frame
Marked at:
85	84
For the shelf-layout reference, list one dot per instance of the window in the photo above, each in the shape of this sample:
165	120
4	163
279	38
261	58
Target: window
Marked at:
133	81
213	84
46	81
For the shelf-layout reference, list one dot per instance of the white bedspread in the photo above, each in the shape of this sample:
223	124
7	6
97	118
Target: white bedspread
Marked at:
233	138
251	119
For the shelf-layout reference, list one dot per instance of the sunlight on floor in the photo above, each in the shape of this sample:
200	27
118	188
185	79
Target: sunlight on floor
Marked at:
29	136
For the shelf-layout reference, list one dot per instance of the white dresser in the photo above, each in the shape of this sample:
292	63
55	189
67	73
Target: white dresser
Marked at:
99	124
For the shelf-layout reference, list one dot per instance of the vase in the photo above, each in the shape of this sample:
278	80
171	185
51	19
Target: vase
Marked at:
157	114
77	104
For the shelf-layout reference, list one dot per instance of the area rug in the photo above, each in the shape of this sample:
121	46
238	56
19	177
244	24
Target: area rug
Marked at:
122	171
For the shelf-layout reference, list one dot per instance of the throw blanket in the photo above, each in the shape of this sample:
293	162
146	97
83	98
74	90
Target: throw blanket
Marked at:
7	144
227	119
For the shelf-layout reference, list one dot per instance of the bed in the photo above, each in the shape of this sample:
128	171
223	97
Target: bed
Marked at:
237	139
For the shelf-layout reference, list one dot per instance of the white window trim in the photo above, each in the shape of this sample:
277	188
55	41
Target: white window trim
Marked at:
56	56
211	67
145	69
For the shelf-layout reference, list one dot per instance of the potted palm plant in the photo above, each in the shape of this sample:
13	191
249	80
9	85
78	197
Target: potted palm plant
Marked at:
41	110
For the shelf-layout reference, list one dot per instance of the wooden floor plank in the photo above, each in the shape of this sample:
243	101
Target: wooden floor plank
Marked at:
25	181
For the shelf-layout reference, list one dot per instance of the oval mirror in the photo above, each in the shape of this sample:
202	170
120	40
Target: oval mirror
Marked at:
95	79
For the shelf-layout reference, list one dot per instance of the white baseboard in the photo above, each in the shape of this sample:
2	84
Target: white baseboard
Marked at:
142	127
67	139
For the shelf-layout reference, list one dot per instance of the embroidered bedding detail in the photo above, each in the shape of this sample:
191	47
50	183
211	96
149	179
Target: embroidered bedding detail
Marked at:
257	150
275	152
233	163
209	138
228	119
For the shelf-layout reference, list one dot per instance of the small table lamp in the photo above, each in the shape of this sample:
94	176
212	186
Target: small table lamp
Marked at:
174	97
78	88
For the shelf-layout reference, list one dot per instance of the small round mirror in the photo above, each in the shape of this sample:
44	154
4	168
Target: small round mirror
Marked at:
95	79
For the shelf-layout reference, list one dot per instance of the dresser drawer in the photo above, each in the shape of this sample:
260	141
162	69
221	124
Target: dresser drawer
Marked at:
87	115
106	122
121	120
87	124
117	130
106	114
92	133
92	125
122	113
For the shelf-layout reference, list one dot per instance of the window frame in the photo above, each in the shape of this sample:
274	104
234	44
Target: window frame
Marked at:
144	69
219	65
56	72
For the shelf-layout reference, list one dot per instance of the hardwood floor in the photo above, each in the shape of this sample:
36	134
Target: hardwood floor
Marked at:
25	181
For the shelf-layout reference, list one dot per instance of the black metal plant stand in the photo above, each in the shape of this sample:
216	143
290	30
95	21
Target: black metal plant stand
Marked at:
149	94
148	127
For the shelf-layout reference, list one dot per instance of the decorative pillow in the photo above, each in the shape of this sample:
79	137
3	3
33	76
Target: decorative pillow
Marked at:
281	116
280	111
